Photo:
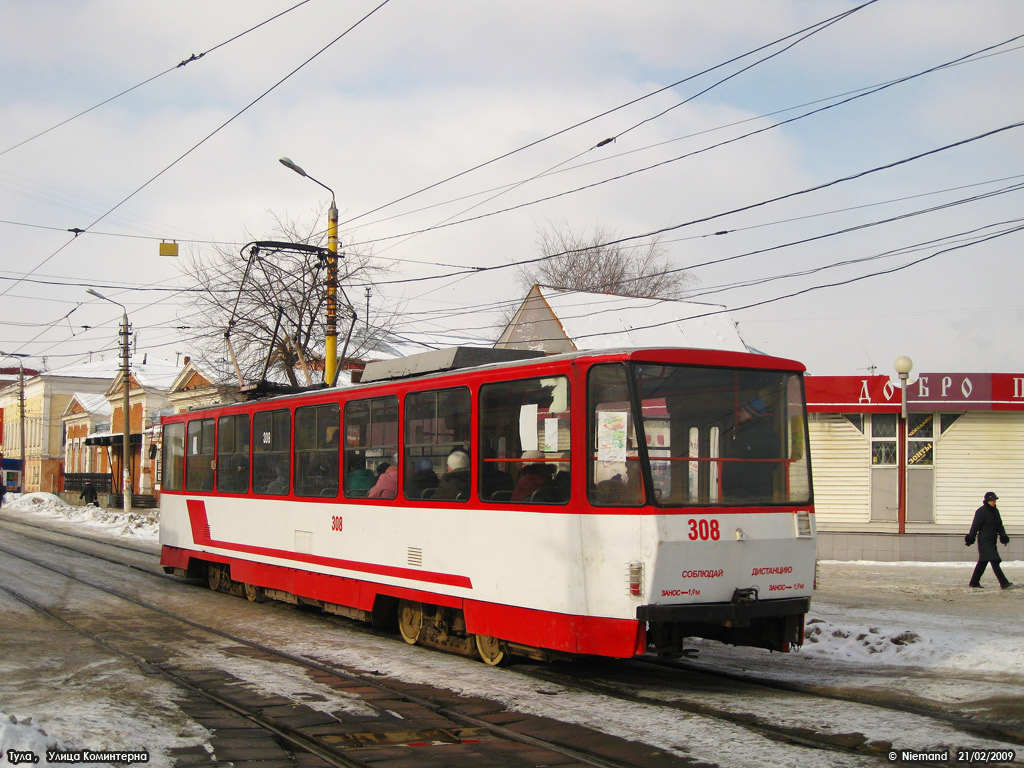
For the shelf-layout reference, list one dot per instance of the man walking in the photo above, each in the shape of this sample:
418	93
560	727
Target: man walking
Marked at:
986	527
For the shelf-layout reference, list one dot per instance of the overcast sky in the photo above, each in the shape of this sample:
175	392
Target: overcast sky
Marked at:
421	91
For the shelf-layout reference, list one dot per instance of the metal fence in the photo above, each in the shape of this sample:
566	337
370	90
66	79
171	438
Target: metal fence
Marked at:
77	481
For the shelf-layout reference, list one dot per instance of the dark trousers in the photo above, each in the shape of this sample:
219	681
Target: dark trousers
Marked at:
979	569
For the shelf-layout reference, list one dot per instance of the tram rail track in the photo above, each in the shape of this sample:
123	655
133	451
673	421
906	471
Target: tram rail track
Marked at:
851	744
332	755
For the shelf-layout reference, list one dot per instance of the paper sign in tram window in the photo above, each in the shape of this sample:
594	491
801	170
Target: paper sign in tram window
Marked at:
528	436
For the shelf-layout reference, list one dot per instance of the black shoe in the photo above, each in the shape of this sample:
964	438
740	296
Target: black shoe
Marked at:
1007	585
975	586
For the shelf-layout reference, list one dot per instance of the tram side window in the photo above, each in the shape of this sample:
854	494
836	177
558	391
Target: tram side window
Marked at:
233	453
316	450
271	452
174	457
437	445
199	461
524	441
614	477
371	447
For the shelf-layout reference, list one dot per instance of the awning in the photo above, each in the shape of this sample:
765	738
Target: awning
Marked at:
108	438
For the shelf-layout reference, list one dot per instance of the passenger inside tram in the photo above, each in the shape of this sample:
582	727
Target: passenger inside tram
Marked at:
454	484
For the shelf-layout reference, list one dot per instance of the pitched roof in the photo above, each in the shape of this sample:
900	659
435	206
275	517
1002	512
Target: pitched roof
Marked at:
603	320
91	403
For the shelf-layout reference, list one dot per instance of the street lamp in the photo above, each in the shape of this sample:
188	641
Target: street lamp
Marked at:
126	450
331	334
21	406
903	365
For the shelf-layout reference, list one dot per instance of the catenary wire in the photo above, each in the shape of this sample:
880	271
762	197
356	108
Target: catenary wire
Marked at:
598	116
684	156
179	65
209	136
722	214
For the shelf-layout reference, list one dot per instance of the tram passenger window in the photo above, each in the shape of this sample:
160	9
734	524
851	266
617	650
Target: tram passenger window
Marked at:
199	461
614	477
524	441
174	457
437	445
233	453
271	452
371	444
316	450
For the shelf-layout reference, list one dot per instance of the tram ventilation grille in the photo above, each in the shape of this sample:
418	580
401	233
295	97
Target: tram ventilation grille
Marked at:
415	557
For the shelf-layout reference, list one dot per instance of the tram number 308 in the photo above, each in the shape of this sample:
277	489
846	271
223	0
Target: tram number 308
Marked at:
336	523
704	530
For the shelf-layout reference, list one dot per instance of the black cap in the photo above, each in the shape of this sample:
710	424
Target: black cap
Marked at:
990	496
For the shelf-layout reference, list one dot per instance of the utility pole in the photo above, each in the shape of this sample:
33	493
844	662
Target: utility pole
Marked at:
126	438
126	444
331	333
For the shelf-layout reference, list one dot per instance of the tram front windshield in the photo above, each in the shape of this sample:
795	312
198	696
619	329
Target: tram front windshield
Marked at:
713	436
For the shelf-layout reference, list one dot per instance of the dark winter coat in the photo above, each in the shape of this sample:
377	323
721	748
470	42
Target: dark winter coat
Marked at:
454	485
987	527
89	494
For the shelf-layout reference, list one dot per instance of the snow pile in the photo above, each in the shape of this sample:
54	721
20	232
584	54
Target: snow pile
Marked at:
822	637
142	525
934	644
25	736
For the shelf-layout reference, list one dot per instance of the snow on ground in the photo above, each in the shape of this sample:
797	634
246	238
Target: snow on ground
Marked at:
142	524
24	735
865	615
896	628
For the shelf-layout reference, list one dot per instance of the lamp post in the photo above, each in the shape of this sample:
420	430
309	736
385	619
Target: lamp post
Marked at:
331	334
21	409
126	444
903	366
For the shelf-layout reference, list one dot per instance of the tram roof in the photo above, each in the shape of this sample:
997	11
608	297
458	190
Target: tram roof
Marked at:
667	355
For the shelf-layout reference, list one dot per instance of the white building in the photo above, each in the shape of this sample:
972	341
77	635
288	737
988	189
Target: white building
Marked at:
893	488
553	320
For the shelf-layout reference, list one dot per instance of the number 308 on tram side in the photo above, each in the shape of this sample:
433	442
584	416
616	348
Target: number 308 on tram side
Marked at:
609	503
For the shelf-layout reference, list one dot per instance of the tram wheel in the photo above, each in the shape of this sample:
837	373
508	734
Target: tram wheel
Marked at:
255	594
491	651
215	576
410	621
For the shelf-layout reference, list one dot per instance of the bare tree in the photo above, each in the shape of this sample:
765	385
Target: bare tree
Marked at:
589	263
277	296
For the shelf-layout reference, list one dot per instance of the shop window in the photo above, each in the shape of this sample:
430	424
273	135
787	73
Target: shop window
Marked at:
856	419
883	439
947	420
920	439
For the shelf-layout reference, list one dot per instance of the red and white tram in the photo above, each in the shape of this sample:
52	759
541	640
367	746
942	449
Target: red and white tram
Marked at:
610	503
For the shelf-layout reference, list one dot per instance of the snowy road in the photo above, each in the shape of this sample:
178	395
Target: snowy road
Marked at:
896	633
